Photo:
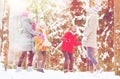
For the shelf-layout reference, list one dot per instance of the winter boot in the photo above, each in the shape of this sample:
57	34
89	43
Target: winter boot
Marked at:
40	70
65	70
29	68
91	69
18	69
99	71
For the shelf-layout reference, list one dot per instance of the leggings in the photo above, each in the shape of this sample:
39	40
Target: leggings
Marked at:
41	62
68	57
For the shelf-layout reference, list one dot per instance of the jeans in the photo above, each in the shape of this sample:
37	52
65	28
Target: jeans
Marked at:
90	52
68	57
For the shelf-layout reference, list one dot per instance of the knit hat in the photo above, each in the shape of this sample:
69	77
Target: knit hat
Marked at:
94	10
25	13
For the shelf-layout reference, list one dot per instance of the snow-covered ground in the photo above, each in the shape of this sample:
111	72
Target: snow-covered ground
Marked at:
51	74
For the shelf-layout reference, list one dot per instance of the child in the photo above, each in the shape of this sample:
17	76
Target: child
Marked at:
40	48
69	41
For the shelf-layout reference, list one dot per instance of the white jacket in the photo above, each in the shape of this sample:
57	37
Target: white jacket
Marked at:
90	31
26	42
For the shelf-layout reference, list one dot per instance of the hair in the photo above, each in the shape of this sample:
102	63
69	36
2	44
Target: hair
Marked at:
39	30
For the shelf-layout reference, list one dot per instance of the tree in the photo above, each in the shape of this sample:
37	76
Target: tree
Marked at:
40	8
116	36
105	36
5	33
77	10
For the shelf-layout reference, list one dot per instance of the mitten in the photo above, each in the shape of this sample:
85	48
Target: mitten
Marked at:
84	39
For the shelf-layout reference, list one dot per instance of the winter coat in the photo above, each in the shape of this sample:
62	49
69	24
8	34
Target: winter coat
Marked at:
40	42
39	46
69	41
27	34
90	31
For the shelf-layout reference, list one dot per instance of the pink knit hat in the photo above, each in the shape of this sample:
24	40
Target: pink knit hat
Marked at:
25	13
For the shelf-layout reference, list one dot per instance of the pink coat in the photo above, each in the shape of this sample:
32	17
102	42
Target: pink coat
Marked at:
69	42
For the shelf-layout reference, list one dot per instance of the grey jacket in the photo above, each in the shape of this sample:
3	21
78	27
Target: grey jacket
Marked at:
27	32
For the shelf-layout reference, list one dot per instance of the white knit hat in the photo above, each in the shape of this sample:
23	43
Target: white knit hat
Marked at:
94	10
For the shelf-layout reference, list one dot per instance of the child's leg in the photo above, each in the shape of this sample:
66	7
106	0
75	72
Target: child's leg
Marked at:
66	61
71	62
43	58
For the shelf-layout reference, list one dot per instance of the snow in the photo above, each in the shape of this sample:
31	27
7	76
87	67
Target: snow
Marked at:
53	74
117	31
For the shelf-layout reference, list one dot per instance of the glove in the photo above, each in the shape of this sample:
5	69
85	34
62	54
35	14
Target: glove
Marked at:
42	36
84	39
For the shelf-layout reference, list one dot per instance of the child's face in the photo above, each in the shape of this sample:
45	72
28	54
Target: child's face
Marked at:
73	28
40	31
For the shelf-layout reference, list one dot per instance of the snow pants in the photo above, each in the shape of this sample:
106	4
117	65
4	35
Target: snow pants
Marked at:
23	57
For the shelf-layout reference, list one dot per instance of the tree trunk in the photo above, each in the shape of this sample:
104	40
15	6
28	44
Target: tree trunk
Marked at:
1	14
117	36
5	33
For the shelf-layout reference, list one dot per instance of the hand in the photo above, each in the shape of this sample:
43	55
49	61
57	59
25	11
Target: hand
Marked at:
84	39
42	36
